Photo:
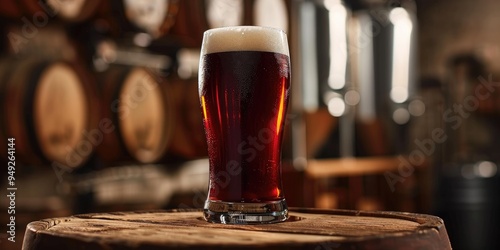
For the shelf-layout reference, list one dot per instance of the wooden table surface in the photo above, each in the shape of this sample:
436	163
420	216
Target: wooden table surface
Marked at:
174	229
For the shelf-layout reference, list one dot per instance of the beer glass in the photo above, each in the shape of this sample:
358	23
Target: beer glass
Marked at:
244	84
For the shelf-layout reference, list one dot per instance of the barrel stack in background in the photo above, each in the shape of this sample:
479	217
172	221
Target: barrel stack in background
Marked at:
86	91
46	106
137	107
102	99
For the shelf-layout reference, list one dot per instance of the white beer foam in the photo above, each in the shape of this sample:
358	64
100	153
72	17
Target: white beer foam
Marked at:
244	38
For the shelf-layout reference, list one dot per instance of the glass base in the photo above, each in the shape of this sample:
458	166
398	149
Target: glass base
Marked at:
245	213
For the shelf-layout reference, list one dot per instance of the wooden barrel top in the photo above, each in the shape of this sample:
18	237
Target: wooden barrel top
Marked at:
174	229
138	105
46	104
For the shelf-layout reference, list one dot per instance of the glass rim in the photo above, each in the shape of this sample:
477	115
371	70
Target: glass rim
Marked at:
251	27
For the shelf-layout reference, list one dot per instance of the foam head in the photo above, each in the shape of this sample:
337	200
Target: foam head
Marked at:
244	38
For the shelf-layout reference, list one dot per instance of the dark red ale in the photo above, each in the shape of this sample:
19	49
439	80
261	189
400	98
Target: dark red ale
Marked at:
244	97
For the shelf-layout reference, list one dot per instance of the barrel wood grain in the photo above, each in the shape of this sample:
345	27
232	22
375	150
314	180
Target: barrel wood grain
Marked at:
37	116
68	11
137	136
306	229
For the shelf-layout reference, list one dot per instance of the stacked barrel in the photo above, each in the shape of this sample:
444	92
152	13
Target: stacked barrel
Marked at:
106	92
114	81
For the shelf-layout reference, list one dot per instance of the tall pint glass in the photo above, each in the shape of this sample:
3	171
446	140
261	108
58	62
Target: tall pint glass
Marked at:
244	84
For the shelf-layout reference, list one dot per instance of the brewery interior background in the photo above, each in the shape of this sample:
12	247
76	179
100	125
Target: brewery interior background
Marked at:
395	106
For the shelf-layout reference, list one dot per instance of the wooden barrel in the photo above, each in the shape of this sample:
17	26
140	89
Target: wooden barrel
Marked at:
136	108
39	12
155	17
305	229
4	74
48	108
188	141
195	16
272	13
128	18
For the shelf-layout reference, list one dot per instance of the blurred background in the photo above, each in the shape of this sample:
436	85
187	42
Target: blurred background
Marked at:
395	105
